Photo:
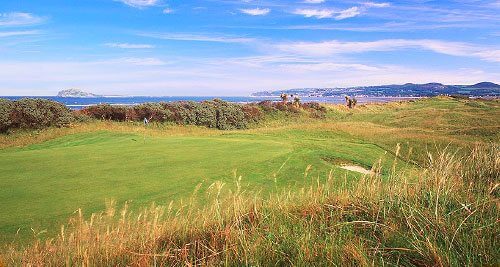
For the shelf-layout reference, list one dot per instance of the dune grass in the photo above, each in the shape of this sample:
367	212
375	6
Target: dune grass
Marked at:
297	206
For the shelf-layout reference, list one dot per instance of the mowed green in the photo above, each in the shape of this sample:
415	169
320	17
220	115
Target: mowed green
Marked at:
43	184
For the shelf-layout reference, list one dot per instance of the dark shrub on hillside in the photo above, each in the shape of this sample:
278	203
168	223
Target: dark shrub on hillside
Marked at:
229	115
182	112
213	114
206	114
252	113
39	113
314	106
151	111
267	105
5	110
270	106
106	112
81	116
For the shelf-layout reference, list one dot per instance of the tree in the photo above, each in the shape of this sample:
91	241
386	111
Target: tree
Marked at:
296	101
354	102
348	101
284	97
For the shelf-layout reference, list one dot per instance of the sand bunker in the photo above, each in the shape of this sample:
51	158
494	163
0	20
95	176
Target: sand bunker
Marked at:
355	168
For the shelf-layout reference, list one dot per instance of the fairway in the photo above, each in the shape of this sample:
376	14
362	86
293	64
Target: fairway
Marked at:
42	184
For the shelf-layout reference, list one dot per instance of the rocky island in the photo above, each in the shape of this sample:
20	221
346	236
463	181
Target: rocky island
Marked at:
75	93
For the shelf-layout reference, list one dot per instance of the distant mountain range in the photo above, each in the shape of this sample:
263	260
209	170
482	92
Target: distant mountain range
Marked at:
482	89
75	93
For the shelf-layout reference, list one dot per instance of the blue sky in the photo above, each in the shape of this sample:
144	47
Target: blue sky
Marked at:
235	47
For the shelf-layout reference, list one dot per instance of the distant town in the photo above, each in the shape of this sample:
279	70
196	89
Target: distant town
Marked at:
483	89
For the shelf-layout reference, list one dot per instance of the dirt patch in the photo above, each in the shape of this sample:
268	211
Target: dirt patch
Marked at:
346	165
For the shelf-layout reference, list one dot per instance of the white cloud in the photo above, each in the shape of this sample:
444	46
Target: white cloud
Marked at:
348	13
338	14
168	11
328	66
328	13
129	46
144	61
256	11
19	19
18	33
197	37
334	47
139	3
318	13
372	4
313	1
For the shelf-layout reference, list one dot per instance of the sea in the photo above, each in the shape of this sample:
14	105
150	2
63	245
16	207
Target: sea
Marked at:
82	102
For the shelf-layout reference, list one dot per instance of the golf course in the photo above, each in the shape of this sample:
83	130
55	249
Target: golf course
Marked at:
48	175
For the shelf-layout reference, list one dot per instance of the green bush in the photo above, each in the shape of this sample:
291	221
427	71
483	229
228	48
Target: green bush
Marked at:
213	114
106	112
229	115
252	113
39	113
5	118
206	114
151	111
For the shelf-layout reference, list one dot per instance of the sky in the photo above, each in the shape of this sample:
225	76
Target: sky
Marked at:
236	47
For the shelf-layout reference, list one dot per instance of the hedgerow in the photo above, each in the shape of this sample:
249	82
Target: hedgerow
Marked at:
212	114
40	113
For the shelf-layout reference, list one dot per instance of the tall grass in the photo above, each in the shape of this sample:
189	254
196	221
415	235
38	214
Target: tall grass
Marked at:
444	215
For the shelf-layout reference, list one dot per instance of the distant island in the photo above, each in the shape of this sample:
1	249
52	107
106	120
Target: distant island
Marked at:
75	93
482	89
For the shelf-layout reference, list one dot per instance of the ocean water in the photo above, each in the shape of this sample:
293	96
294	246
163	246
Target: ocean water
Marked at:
79	102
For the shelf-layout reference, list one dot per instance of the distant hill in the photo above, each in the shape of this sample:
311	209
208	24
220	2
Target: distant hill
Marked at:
75	93
485	85
482	89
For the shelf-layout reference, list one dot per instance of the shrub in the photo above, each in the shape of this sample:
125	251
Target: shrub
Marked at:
106	112
267	105
39	113
314	106
213	114
81	116
229	115
252	113
5	117
151	111
181	112
206	114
